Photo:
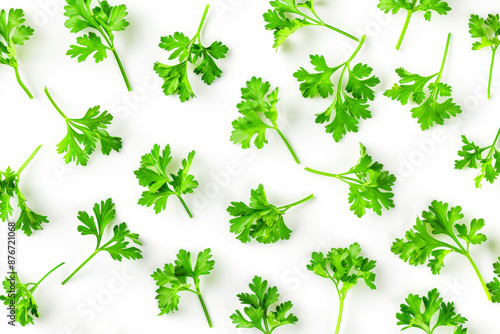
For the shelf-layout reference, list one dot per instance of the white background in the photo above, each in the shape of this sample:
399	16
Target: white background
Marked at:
422	161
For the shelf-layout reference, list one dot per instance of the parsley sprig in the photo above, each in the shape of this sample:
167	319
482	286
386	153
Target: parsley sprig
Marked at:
277	20
430	111
28	220
420	246
118	245
260	220
494	286
20	295
104	18
14	32
350	102
370	187
188	50
344	267
173	279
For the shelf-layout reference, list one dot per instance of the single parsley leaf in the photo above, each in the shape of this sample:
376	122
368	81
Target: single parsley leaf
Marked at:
494	286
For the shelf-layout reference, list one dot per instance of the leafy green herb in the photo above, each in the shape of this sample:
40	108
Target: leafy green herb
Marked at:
472	157
260	220
430	111
19	296
186	50
83	134
487	30
173	279
370	187
344	266
118	246
259	303
411	6
254	102
14	32
350	103
28	220
419	246
494	286
412	316
152	173
283	26
104	18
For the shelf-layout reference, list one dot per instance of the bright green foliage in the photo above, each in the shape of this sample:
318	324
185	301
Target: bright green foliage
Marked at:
350	102
257	100
28	220
487	30
430	111
429	313
173	279
13	32
278	20
370	187
411	6
118	246
420	244
20	296
344	267
153	174
84	133
494	286
192	51
106	20
472	157
258	311
260	220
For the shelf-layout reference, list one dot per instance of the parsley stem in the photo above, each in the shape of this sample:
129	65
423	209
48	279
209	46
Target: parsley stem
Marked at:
341	310
286	207
16	69
355	53
491	71
81	266
54	103
198	292
478	273
28	160
198	32
319	22
122	70
184	205
44	277
288	146
444	58
405	27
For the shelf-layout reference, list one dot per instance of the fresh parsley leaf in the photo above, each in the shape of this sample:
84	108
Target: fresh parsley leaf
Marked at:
420	244
13	32
344	267
187	50
258	311
260	220
430	111
412	6
257	100
350	103
20	296
118	245
278	20
152	173
173	279
370	187
494	286
412	316
84	133
104	19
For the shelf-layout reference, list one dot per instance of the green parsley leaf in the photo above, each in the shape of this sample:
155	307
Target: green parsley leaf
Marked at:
173	279
13	32
118	245
186	51
494	286
370	187
258	309
260	220
152	173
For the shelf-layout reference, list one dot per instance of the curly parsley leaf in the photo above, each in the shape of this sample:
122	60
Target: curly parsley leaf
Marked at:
258	314
260	220
13	32
370	187
118	245
173	279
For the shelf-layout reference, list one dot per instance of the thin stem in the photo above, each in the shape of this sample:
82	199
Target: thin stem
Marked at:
288	146
491	71
184	205
202	22
29	159
16	69
319	22
444	57
341	310
492	149
297	203
360	45
198	292
122	70
405	27
54	103
478	273
81	266
44	277
321	173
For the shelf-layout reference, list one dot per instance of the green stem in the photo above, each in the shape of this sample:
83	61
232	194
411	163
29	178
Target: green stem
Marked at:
355	53
296	203
81	266
16	69
405	27
478	273
44	277
29	159
341	310
54	104
184	205
202	22
492	149
198	292
491	71
319	22
288	146
444	58
122	70
321	173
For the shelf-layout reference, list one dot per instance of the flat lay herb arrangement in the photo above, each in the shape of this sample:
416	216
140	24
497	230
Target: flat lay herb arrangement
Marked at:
351	91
